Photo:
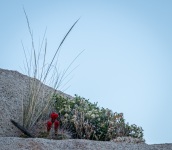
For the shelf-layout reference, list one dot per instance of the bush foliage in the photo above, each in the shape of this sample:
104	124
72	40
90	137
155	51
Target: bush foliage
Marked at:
86	120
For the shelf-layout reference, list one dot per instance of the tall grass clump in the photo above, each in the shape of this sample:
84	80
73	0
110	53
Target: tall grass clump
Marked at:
88	121
38	99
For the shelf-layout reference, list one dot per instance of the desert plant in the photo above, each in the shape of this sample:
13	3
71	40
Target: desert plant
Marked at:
88	121
38	100
53	117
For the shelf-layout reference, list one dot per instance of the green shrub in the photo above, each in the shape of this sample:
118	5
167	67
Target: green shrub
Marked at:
87	121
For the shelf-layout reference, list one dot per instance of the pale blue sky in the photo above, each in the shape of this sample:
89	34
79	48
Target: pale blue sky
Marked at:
126	65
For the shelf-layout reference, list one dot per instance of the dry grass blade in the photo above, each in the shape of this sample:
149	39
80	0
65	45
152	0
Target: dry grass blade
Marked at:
38	100
59	48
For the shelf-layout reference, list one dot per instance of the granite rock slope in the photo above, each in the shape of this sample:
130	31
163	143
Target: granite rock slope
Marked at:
13	93
13	89
10	143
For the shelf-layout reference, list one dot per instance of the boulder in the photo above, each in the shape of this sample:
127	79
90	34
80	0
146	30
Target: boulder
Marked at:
14	88
10	143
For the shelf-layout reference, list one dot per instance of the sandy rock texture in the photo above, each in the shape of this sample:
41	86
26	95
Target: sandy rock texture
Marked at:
11	143
13	93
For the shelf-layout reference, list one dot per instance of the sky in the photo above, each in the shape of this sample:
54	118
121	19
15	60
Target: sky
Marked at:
126	65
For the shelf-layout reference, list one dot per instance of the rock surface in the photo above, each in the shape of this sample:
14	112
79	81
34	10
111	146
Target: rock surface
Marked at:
13	87
11	143
13	92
